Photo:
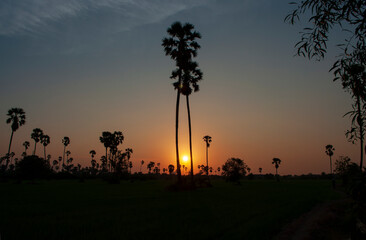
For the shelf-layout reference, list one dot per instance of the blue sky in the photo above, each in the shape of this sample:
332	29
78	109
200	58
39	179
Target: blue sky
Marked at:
81	67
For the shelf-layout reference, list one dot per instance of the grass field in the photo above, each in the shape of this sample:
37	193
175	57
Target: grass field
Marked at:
68	209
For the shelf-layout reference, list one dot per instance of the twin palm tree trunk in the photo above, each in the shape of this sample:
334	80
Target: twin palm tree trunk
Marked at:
190	136
176	134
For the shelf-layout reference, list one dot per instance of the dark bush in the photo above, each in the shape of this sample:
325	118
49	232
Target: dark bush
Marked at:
32	167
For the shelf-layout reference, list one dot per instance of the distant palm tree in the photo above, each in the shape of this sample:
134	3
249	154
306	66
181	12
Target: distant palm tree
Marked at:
260	170
208	140
329	151
93	162
106	139
16	116
276	162
65	142
36	136
92	153
150	166
45	140
180	46
26	145
142	163
128	153
171	169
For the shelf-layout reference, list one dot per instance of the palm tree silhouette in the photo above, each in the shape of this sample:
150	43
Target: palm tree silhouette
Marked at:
208	140
190	78
128	153
106	139
45	140
92	153
260	170
16	116
171	169
26	145
65	142
329	151
93	162
180	46
36	136
276	162
142	163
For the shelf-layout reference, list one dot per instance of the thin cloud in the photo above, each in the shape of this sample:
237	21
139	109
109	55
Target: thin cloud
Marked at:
23	17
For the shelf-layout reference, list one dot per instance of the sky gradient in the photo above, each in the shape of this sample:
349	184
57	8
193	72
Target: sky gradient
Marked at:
79	68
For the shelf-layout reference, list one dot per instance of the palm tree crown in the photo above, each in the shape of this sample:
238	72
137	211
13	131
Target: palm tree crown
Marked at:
208	140
16	116
36	136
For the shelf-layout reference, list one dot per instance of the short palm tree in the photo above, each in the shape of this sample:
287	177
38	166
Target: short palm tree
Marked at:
65	142
26	145
208	140
16	116
329	150
276	162
128	153
106	139
36	136
45	140
142	163
180	46
92	153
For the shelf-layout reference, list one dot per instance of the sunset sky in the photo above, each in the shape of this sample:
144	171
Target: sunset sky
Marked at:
81	67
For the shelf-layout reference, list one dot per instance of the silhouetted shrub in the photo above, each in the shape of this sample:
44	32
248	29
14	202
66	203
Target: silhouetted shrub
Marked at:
32	167
234	169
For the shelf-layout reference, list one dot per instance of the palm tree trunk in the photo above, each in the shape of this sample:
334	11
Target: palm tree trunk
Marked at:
11	139
360	123
190	135
176	134
207	159
44	152
330	161
63	159
35	147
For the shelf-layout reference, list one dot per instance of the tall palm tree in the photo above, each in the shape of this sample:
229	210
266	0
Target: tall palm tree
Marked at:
16	116
208	140
180	46
329	151
36	136
65	142
276	162
45	140
190	78
26	145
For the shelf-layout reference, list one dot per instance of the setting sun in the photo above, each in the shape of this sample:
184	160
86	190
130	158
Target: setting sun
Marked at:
185	158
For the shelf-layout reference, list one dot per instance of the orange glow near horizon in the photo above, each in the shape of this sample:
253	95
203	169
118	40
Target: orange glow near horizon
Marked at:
185	158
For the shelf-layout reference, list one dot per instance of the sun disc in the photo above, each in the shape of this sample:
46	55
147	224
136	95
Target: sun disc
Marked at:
185	158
